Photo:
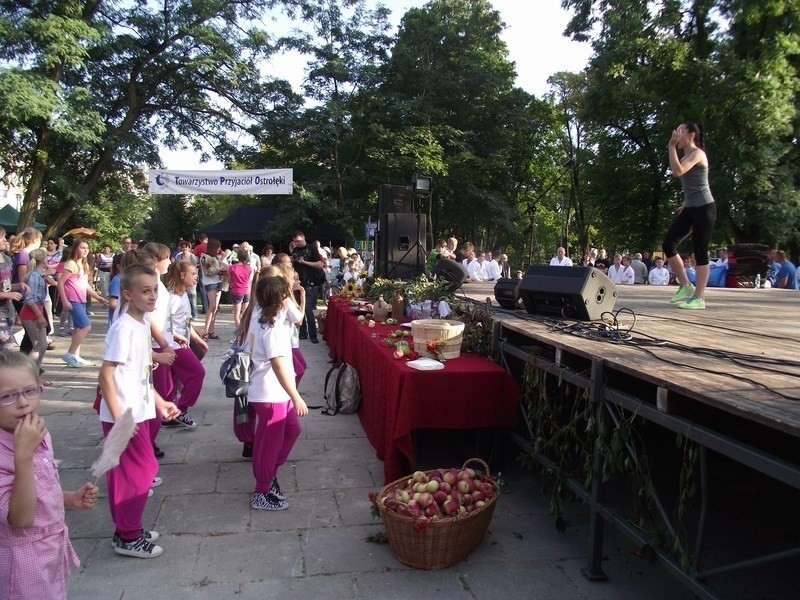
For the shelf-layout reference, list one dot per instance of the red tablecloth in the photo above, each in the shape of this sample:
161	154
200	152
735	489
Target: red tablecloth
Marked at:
471	392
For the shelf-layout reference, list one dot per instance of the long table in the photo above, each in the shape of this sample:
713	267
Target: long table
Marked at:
471	392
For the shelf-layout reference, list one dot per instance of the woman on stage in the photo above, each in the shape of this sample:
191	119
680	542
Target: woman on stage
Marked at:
696	216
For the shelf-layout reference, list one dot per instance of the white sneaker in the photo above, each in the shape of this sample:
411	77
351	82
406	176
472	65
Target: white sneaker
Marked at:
157	481
150	493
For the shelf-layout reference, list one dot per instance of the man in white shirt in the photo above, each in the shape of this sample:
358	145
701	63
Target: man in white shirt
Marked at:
491	267
722	258
561	259
620	274
476	269
659	275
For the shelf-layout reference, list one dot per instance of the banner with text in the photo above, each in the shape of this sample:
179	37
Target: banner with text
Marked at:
255	181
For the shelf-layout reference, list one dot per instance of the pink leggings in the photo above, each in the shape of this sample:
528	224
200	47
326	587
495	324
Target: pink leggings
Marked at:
273	428
129	483
188	369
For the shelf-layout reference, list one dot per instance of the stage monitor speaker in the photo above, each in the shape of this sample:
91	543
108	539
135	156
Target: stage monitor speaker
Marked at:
582	293
451	270
395	199
399	254
506	292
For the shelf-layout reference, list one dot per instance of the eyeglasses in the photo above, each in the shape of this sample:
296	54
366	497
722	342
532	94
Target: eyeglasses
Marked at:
33	393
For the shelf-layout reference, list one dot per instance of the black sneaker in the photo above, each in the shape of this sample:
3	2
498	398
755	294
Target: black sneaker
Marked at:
314	340
185	420
268	502
303	336
150	536
247	451
138	548
275	489
159	453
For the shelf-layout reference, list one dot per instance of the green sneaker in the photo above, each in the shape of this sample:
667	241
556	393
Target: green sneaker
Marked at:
682	293
694	303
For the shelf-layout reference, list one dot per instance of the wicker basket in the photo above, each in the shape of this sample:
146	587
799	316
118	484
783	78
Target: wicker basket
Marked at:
440	544
448	332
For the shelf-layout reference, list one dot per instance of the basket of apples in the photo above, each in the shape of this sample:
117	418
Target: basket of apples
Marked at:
435	519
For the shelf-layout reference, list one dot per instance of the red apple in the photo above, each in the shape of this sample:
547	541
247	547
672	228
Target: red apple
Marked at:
478	496
445	487
440	497
436	474
450	508
462	475
467	499
450	477
425	499
420	476
432	510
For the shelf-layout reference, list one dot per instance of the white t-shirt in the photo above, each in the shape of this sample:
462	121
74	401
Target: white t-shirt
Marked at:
179	317
658	276
476	270
267	342
621	275
564	262
161	311
128	344
492	269
292	315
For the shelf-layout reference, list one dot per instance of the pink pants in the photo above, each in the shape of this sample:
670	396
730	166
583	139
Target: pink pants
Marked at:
299	363
187	369
272	429
129	483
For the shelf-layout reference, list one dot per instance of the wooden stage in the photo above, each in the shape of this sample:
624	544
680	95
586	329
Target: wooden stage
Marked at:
724	383
747	325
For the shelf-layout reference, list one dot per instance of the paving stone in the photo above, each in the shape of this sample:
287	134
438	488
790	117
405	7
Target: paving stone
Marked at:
314	475
346	550
307	510
205	513
303	588
354	506
404	583
251	557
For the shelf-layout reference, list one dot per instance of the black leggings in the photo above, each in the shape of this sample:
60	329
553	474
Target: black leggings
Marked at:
697	220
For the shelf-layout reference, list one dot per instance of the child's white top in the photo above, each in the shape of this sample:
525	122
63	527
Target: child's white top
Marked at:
179	318
265	343
128	344
160	314
291	315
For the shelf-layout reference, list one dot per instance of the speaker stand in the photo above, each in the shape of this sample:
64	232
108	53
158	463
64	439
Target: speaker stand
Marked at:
416	246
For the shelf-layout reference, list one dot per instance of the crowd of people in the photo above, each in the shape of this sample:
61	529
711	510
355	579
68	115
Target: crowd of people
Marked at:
151	367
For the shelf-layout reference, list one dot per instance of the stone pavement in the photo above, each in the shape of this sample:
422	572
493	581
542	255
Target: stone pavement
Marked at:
216	547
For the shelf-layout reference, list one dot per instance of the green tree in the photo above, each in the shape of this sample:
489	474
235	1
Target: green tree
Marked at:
92	86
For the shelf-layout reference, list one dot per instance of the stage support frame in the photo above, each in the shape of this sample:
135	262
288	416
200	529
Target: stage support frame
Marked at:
607	402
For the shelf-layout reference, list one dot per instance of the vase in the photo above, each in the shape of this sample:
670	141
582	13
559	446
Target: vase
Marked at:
397	306
380	309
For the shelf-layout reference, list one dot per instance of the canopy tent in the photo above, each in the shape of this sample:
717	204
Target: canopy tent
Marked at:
248	223
9	217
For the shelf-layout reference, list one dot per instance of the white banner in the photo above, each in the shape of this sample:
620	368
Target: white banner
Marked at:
255	181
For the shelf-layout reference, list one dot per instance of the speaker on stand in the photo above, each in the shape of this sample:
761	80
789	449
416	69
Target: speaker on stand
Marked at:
400	254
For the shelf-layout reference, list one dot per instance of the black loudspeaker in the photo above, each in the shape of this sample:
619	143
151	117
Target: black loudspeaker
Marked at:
582	293
395	199
399	254
506	292
451	270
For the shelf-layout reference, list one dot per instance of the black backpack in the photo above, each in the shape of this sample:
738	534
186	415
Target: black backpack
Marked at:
342	390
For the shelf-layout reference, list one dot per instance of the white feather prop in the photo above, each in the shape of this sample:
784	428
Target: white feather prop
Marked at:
114	445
